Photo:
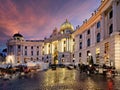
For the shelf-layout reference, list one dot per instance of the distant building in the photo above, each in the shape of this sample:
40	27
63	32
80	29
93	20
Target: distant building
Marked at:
59	47
24	50
99	36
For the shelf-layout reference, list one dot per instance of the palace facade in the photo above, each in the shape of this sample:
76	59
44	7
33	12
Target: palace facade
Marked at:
24	50
99	36
59	47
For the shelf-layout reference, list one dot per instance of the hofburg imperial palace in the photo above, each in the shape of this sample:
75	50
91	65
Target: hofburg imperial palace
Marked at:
97	38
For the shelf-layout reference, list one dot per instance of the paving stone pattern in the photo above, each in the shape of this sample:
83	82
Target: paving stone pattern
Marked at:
61	79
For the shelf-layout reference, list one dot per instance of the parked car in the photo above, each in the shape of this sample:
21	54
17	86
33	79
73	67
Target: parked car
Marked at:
70	66
61	65
53	67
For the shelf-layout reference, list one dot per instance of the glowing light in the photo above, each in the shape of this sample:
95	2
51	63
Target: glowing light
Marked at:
10	59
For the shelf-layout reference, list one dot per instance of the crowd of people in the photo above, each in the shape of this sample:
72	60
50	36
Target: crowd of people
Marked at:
107	71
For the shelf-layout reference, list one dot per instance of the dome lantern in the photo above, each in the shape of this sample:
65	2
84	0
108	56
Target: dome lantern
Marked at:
66	26
18	36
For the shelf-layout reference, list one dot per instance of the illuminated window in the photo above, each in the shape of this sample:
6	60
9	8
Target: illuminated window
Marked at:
64	49
64	42
97	55
97	50
106	47
42	52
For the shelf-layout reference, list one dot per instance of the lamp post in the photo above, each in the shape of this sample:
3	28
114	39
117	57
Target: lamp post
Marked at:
89	60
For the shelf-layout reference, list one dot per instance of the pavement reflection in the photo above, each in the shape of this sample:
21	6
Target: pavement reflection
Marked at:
61	79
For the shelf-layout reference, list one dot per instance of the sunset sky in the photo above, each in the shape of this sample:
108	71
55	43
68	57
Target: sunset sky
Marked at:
36	19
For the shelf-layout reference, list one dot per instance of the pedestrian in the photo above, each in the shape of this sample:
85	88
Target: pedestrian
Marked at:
110	84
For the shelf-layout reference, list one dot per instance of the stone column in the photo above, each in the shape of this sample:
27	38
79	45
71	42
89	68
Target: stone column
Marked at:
66	44
114	7
103	26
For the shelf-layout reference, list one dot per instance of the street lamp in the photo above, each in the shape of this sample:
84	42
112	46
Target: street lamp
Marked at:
89	54
91	62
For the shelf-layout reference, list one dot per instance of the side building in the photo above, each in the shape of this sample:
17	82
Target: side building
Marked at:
59	47
99	36
24	50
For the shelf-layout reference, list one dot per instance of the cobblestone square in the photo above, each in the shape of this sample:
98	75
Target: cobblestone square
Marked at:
61	79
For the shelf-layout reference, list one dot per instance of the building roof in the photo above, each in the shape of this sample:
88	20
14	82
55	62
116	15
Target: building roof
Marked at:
17	35
66	25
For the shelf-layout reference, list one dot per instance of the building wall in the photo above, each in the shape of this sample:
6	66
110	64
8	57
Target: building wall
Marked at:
108	47
23	54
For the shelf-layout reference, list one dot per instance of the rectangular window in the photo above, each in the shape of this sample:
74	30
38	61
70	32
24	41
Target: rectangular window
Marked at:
80	54
32	53
88	42
111	29
110	14
80	36
26	53
88	52
106	47
19	47
98	24
73	40
80	45
49	45
88	31
31	47
64	42
64	49
25	47
37	52
73	55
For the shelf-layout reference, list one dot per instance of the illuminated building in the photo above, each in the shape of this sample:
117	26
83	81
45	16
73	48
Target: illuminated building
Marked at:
24	50
100	36
59	47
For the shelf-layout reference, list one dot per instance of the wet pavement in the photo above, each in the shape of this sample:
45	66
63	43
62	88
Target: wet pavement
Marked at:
61	79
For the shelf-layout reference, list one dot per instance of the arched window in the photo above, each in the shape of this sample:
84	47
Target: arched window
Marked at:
88	42
98	37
